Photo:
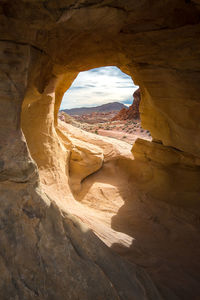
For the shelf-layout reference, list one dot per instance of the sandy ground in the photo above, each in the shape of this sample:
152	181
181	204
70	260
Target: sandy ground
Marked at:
126	137
126	130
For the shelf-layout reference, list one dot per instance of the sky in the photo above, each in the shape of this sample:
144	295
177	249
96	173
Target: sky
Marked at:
99	86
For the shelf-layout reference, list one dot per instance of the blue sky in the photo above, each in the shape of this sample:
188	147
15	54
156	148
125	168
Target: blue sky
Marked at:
99	86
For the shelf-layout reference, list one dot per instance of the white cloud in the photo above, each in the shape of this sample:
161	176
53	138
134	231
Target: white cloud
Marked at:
99	86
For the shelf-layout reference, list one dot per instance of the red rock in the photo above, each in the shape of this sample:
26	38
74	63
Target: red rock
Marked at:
133	111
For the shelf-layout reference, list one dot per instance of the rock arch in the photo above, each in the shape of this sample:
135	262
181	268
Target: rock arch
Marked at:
44	45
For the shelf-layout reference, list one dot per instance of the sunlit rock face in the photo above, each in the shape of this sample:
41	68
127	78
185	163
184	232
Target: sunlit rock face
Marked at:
133	111
45	252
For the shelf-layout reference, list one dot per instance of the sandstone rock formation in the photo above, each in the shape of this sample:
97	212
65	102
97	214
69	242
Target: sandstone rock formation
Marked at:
46	251
133	111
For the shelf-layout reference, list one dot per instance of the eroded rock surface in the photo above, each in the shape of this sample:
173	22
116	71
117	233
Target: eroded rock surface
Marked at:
133	111
45	252
48	254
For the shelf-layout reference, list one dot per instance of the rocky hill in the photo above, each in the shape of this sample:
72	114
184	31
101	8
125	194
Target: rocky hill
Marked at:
108	107
133	111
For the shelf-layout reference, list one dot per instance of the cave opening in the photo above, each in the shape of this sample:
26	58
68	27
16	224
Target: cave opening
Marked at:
45	252
104	101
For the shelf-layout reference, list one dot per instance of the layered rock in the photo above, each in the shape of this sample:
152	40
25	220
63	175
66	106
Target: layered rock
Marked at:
133	111
45	253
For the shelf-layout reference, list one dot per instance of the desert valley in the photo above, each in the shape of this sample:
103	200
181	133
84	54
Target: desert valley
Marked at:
113	120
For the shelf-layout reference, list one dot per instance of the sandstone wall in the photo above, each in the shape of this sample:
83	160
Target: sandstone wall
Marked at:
44	44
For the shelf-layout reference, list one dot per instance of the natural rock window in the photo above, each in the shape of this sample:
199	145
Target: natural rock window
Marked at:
62	187
104	101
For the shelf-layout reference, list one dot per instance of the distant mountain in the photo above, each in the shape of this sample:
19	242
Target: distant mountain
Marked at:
113	106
